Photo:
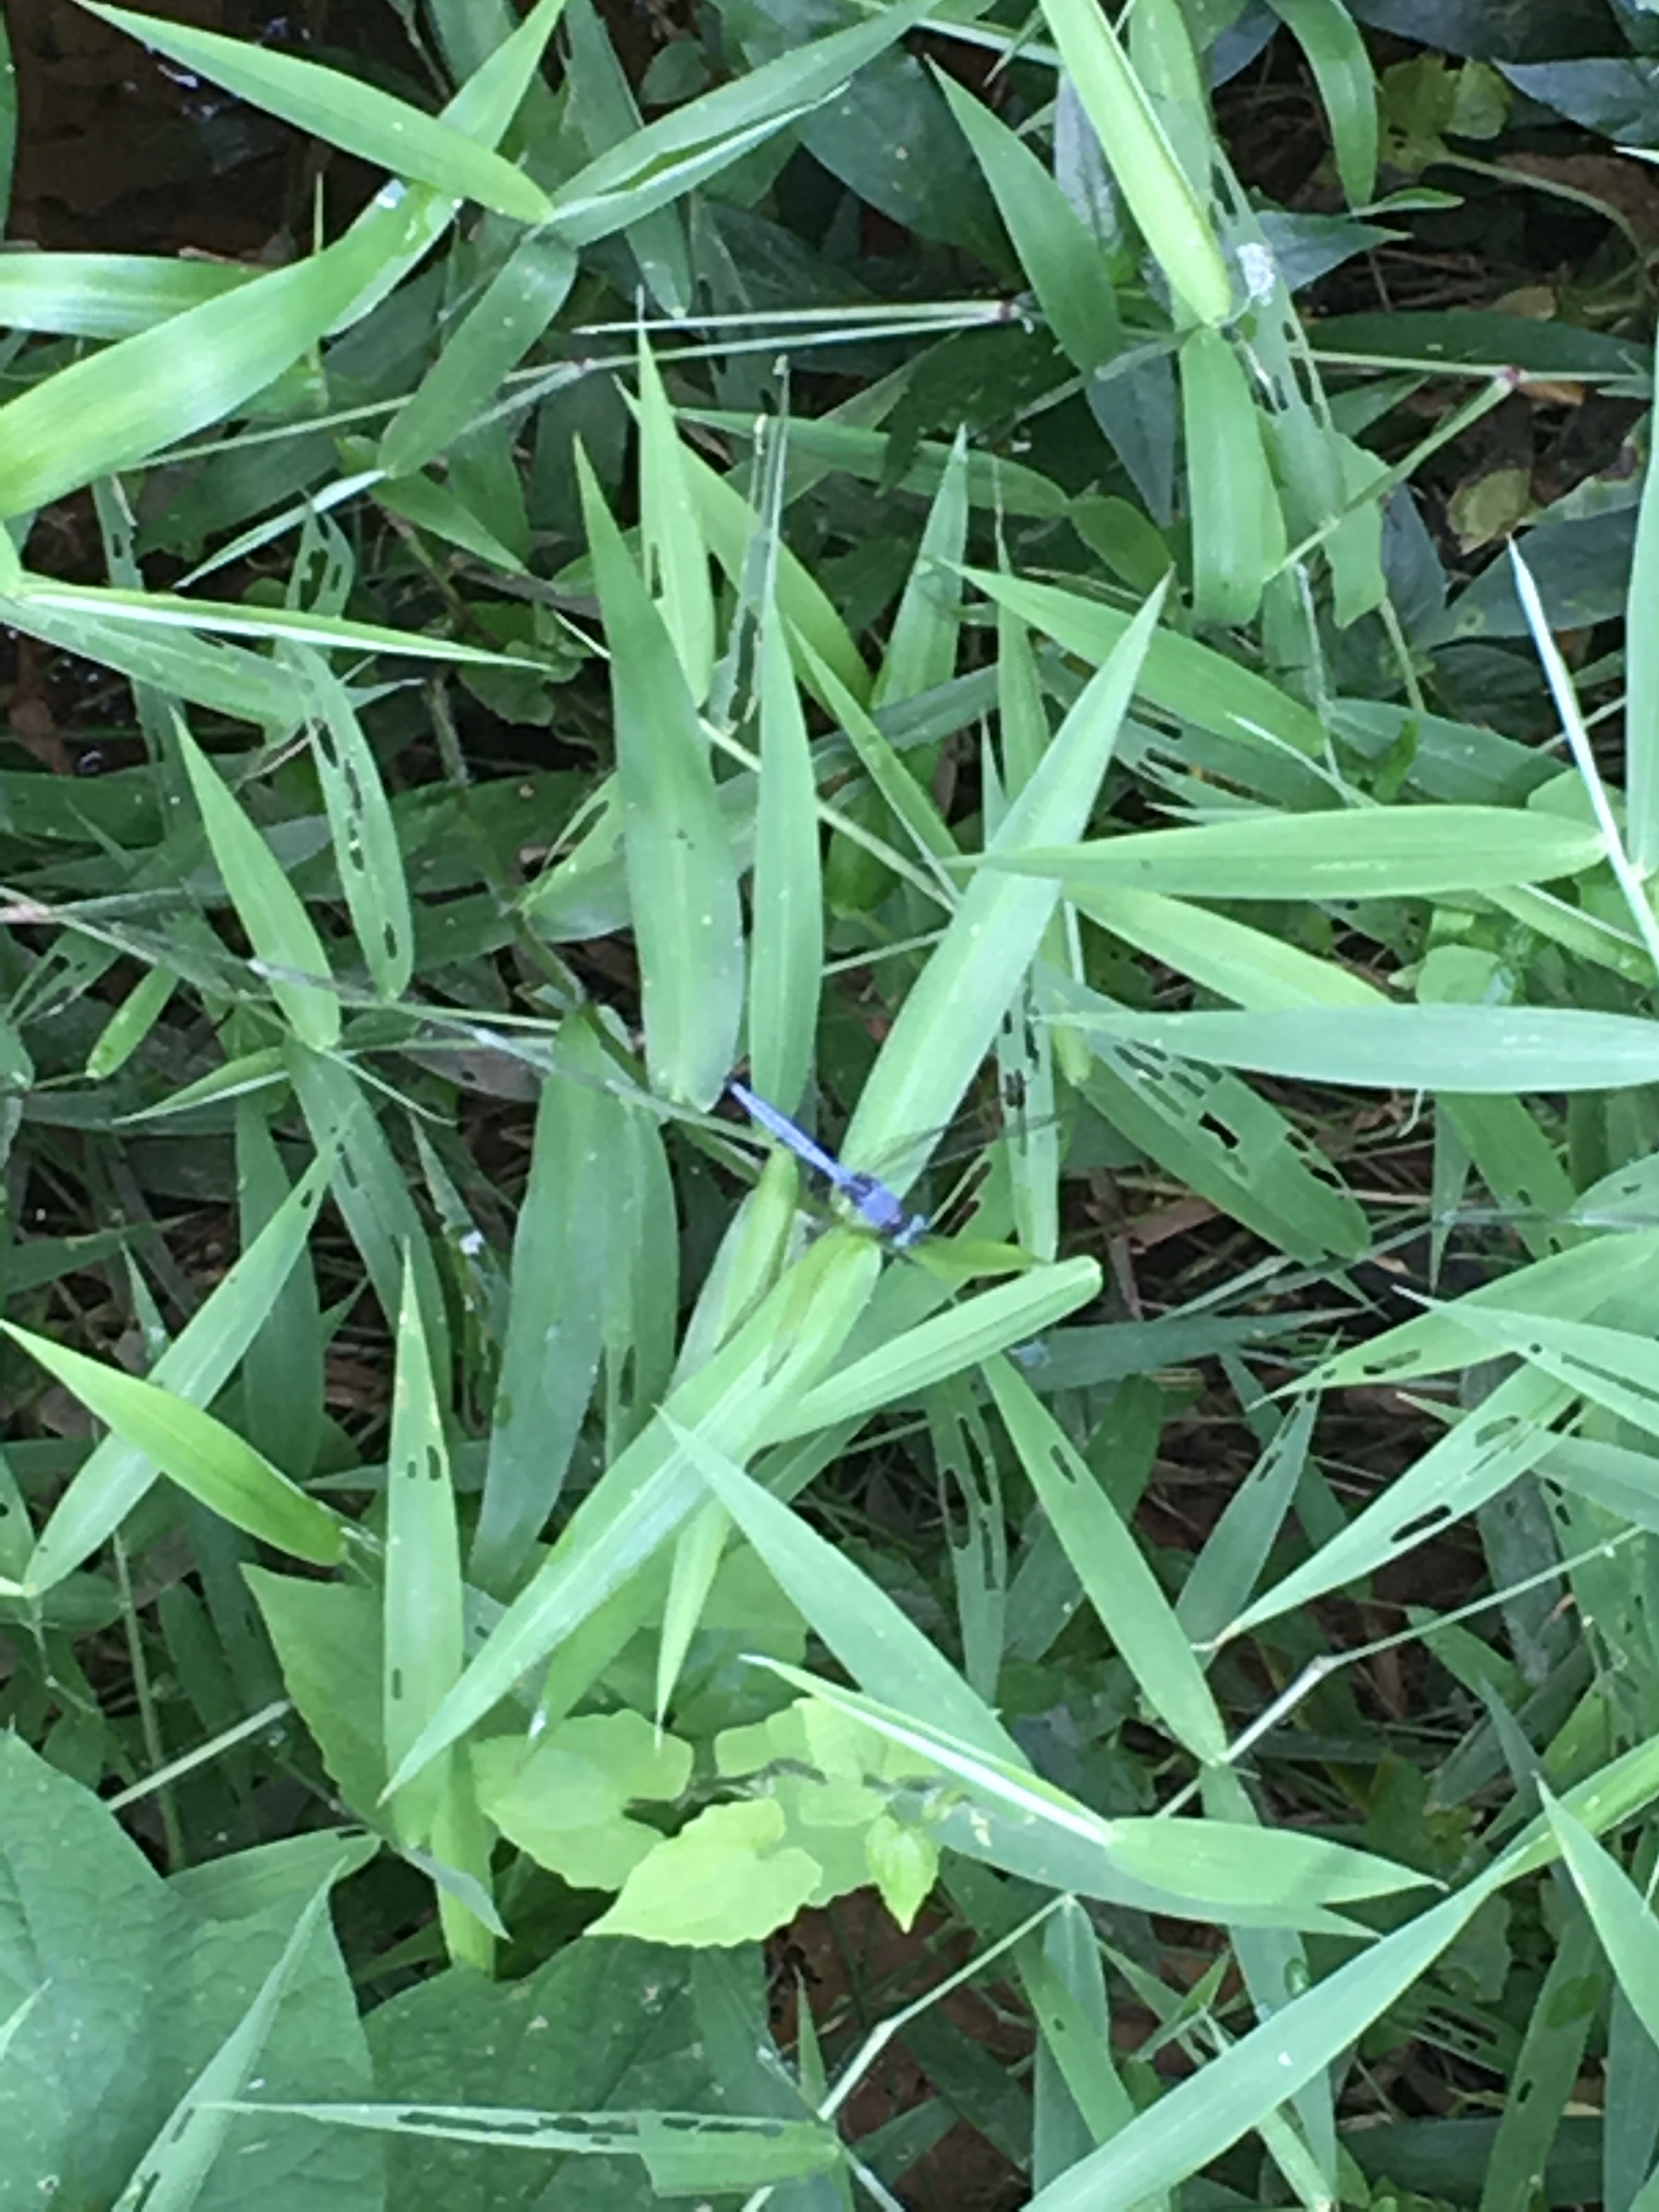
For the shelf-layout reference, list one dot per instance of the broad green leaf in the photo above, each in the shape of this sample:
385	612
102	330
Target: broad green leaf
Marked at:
682	878
1221	1870
562	1797
342	111
198	1452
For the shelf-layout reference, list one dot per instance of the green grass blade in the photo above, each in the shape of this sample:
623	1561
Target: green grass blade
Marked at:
696	140
675	556
1242	2090
342	111
1402	852
853	1616
517	303
278	927
682	878
107	295
647	1494
1190	681
422	1647
115	1476
1491	1447
1642	686
1238	529
1062	262
367	852
562	1255
947	1026
787	952
1120	1585
1336	54
1175	226
961	1336
198	1452
1479	1050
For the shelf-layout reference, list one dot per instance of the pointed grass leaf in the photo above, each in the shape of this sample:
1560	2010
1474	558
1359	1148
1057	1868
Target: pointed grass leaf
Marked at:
875	1642
517	303
1252	967
1335	52
279	929
1062	260
1176	227
107	295
366	852
342	111
961	1336
422	1646
1205	2115
116	1474
1622	1916
1642	686
786	931
1192	682
1399	852
676	557
921	645
1237	527
116	407
1478	1049
648	1493
1120	1585
682	876
693	142
198	1452
567	1241
1494	1445
948	1025
1571	1285
729	524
